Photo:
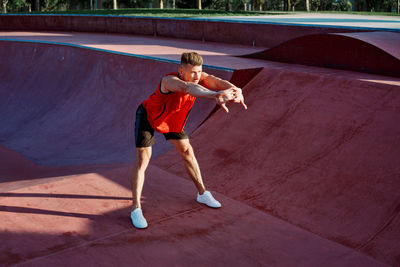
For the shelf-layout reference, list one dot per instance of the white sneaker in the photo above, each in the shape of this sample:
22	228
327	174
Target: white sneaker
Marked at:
137	219
208	199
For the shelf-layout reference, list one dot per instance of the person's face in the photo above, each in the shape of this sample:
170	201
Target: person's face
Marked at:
190	73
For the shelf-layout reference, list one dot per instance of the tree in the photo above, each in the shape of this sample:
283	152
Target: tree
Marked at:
246	4
315	4
14	6
4	6
161	4
261	3
227	5
293	4
307	5
198	4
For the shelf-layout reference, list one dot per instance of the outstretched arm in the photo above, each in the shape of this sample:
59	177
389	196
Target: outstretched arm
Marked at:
219	84
215	83
174	84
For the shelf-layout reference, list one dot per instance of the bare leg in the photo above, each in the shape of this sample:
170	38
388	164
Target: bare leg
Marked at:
192	167
143	156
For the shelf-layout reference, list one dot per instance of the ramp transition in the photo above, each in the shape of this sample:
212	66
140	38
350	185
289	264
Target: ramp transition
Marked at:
60	102
321	152
371	52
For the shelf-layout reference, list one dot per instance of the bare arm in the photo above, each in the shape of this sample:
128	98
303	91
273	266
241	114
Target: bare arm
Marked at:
219	84
215	83
174	84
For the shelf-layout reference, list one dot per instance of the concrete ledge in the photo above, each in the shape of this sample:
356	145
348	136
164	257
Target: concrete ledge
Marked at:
258	34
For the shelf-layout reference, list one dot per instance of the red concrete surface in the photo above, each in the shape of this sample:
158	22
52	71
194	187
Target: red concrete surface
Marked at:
84	221
245	33
214	54
99	89
371	52
307	176
18	172
319	151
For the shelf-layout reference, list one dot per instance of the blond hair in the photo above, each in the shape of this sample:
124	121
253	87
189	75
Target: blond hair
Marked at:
191	58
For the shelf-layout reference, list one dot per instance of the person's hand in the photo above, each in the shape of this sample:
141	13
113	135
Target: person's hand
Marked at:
233	94
225	96
238	96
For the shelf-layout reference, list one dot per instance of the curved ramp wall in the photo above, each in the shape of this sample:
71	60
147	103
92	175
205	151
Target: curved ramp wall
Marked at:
68	105
371	52
319	151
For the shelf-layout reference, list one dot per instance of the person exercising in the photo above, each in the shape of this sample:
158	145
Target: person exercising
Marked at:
166	111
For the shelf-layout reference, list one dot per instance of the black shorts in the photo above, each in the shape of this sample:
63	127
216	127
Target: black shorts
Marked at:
144	133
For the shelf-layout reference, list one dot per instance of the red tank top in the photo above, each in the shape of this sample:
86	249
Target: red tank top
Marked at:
168	112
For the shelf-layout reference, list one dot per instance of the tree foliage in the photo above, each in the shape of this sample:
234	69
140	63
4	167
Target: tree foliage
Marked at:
234	5
221	4
15	6
342	5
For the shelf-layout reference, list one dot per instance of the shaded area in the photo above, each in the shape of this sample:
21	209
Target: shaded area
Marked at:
69	196
371	52
62	123
13	209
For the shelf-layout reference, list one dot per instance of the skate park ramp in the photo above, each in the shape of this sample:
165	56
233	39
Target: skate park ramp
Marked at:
321	152
73	116
308	175
371	52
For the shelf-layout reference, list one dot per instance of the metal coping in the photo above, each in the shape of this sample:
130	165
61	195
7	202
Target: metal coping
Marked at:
112	52
217	20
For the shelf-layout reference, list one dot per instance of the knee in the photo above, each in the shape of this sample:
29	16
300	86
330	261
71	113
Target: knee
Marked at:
142	159
141	163
186	151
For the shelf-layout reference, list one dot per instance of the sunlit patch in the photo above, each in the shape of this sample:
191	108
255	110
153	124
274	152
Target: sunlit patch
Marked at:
27	34
69	205
387	80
